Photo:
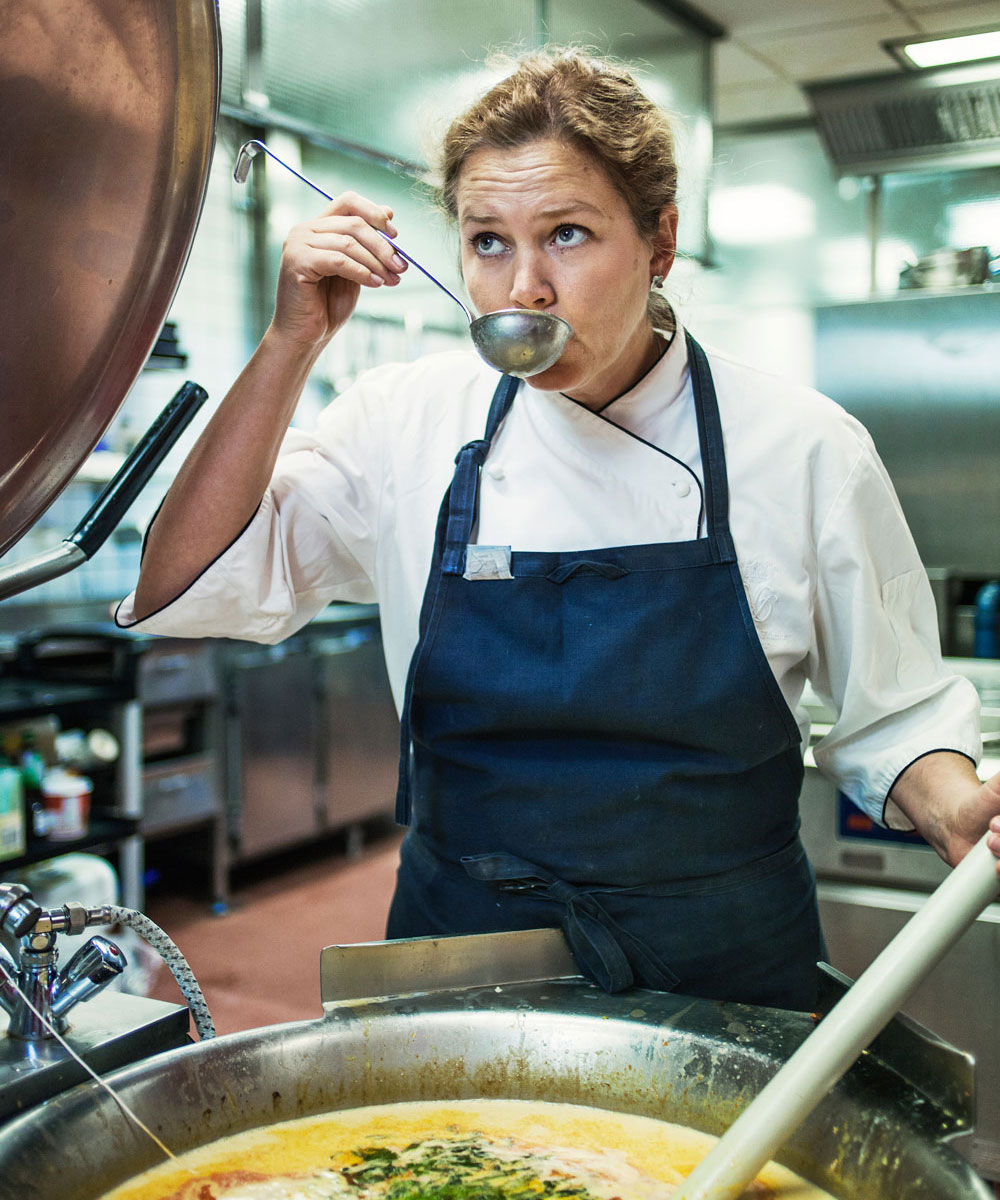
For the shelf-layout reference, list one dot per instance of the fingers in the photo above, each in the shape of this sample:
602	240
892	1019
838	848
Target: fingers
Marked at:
324	263
346	242
993	838
351	249
377	215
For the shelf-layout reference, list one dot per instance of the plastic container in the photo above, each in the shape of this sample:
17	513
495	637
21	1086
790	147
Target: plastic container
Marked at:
12	831
987	621
32	762
66	798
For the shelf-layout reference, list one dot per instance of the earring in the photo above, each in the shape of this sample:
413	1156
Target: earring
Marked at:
657	281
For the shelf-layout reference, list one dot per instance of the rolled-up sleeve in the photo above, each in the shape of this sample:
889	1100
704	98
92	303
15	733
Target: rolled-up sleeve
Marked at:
310	542
876	658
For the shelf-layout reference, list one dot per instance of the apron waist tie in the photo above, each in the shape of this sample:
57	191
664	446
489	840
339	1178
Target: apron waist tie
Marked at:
605	950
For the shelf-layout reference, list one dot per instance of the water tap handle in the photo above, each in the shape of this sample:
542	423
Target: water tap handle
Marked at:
90	969
19	913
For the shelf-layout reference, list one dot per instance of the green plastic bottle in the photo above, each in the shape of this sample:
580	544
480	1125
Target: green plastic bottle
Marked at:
13	831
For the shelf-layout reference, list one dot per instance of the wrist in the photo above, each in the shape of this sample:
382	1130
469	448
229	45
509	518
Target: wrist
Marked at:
940	793
295	345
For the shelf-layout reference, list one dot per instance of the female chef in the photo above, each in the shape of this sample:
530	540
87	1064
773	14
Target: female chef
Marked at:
603	590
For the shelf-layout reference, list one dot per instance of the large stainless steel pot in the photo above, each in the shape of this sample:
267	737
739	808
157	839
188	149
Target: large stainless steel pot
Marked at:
876	1137
107	123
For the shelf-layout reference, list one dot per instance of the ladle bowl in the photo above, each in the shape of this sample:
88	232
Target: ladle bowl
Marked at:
520	341
516	341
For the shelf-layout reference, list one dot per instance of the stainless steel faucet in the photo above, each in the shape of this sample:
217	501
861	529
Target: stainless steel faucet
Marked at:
52	994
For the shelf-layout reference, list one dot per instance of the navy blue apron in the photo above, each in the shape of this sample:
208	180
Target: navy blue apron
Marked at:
598	742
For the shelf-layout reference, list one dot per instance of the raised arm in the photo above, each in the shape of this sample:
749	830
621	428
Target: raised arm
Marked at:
325	263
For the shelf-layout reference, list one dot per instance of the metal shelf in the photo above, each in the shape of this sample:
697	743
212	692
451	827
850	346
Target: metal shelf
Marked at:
102	831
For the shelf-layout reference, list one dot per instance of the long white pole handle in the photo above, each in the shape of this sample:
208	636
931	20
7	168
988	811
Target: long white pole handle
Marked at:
791	1095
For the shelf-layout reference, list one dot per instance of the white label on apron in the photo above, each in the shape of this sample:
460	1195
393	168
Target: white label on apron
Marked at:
487	562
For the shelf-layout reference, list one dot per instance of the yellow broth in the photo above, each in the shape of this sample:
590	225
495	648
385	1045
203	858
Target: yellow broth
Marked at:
456	1150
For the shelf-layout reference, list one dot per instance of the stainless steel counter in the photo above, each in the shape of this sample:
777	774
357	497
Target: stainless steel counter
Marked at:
312	735
108	1031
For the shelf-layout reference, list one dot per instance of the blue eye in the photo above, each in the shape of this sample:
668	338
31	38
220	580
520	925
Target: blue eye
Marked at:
569	235
488	245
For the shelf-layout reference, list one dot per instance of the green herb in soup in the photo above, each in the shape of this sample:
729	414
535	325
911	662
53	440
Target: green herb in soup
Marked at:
471	1168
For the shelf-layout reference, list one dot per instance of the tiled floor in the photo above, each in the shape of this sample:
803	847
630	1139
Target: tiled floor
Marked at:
259	963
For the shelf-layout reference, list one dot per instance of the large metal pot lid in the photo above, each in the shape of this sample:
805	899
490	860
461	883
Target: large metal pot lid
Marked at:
108	111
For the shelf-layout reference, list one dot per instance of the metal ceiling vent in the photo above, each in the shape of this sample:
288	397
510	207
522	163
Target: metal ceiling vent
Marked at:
947	117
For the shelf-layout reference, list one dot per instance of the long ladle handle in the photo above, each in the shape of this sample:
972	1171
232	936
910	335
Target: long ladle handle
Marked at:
845	1031
250	150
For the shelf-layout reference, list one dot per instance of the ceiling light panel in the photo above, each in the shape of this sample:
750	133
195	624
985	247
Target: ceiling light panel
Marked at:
972	46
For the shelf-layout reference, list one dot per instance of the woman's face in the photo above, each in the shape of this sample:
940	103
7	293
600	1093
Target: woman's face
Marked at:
543	227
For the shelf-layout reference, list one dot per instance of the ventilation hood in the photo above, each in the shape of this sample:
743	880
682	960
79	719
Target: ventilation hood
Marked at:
913	120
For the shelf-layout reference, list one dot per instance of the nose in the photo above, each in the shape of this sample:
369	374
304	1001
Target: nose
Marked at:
531	287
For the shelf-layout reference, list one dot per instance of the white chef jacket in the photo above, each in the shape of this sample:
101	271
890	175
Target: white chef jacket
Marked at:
835	585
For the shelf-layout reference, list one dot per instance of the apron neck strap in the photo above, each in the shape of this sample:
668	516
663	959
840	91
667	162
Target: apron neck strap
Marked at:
464	491
503	398
713	454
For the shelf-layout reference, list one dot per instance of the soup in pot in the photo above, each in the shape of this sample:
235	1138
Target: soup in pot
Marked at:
454	1150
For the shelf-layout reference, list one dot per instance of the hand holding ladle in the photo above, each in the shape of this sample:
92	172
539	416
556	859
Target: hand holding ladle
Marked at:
516	341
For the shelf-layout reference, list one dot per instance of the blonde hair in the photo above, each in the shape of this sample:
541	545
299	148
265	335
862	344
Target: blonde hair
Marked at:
590	102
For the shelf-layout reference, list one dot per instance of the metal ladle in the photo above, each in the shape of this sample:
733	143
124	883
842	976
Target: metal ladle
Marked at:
517	341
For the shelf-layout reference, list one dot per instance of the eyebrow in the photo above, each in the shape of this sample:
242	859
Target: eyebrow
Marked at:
546	214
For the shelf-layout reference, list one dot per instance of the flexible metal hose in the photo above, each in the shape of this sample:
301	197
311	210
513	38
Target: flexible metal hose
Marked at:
164	945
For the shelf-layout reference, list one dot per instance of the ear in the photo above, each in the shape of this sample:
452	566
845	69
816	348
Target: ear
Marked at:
664	242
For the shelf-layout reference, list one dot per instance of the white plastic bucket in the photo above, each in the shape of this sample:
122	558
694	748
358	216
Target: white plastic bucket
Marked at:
66	800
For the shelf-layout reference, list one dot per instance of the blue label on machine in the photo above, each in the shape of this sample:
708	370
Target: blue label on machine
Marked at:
853	823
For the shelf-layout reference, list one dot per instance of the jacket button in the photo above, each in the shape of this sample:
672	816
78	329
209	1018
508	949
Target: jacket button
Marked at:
495	471
682	487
